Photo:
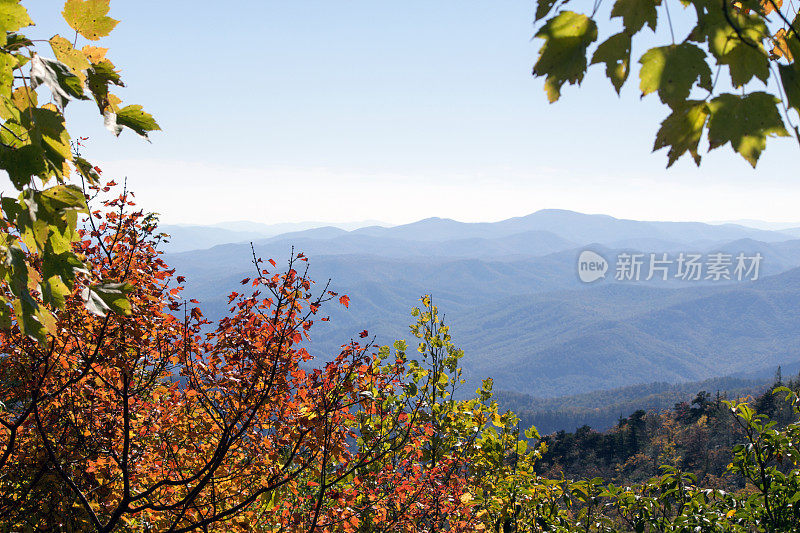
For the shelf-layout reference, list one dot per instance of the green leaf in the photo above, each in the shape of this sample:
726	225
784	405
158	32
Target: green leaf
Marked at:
58	77
790	79
543	8
87	170
65	265
136	119
7	65
61	198
33	320
672	71
562	57
12	17
745	122
22	163
735	39
681	131
100	75
615	52
55	292
108	296
89	18
745	62
5	314
49	130
635	13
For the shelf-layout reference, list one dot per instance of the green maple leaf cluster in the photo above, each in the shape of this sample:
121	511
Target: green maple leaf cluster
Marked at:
747	38
36	153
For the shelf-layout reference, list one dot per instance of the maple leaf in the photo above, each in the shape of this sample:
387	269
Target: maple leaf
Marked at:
672	70
562	57
89	18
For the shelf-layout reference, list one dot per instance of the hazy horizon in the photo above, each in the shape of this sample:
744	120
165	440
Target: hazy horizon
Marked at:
374	111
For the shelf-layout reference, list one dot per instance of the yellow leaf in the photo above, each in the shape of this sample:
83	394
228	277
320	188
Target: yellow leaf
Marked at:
89	18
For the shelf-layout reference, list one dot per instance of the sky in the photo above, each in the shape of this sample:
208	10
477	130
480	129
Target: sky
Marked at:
393	111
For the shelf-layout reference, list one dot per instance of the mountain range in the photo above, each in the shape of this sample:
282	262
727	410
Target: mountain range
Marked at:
514	302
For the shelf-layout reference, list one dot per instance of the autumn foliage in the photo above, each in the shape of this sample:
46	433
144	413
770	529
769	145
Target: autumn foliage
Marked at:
157	418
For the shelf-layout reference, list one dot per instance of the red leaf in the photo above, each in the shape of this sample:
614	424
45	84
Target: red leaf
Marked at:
180	279
363	334
344	300
272	262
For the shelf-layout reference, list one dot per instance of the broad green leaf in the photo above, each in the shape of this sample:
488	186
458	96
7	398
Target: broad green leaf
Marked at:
562	57
12	17
15	42
23	163
100	75
65	265
89	18
745	122
87	170
5	314
740	46
55	292
635	13
673	70
7	65
104	297
138	120
790	79
615	52
681	131
745	62
58	77
33	320
62	198
543	8
49	130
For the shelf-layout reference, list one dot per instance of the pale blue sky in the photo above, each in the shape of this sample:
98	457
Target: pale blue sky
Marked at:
321	110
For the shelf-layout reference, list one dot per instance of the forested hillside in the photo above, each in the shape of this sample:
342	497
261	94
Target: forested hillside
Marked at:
694	436
602	409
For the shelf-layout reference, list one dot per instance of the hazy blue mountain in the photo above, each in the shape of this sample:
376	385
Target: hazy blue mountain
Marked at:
527	320
511	292
576	227
185	237
618	335
760	224
540	233
287	227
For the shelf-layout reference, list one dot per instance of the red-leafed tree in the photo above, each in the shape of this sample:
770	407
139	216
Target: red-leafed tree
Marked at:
141	414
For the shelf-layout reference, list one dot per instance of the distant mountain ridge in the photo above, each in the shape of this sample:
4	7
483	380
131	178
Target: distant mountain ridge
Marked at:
512	295
571	227
575	227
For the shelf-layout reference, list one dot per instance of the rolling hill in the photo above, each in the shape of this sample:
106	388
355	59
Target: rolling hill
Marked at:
512	296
